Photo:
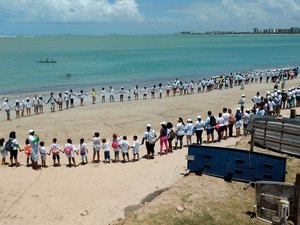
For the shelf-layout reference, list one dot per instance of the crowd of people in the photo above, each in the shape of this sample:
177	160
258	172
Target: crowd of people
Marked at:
169	137
67	100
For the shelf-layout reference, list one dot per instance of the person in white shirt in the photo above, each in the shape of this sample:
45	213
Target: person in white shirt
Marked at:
7	108
70	151
55	149
43	153
179	130
52	102
226	117
135	148
83	151
105	147
67	99
103	94
96	147
28	107
189	130
198	127
35	105
122	93
136	92
168	89
219	126
246	119
124	146
111	94
150	138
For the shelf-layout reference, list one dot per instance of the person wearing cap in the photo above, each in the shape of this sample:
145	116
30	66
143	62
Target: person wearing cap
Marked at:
189	130
242	102
246	118
7	108
163	137
34	151
67	99
150	138
28	107
198	128
17	107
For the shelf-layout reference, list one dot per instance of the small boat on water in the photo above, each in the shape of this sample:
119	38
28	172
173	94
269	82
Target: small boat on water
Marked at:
47	61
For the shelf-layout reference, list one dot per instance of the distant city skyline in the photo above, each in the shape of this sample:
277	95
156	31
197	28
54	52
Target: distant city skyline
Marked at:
51	17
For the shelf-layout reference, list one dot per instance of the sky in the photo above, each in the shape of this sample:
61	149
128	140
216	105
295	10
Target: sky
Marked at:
101	17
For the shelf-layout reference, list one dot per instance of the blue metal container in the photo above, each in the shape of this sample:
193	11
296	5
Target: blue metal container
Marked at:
236	164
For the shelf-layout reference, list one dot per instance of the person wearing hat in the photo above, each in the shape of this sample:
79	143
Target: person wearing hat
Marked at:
150	138
17	109
246	118
163	137
242	102
34	151
67	99
7	108
28	107
198	128
189	130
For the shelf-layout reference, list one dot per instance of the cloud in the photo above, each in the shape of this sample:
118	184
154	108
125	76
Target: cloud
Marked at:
70	11
241	14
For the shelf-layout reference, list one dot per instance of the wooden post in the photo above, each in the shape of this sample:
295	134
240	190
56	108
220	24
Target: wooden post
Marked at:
252	139
297	200
293	113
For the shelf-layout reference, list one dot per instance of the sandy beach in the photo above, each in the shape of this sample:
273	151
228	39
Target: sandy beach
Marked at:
99	193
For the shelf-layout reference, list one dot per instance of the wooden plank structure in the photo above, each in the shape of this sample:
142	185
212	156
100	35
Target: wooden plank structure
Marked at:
278	134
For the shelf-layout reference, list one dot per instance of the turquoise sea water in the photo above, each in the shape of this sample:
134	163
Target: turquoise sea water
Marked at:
100	61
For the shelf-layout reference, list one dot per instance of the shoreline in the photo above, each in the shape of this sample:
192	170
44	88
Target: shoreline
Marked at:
14	94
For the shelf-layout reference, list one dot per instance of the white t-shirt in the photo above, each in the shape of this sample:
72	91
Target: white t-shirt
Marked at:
43	151
150	136
83	148
54	148
180	129
226	118
199	125
96	143
189	128
124	146
220	121
105	146
136	146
